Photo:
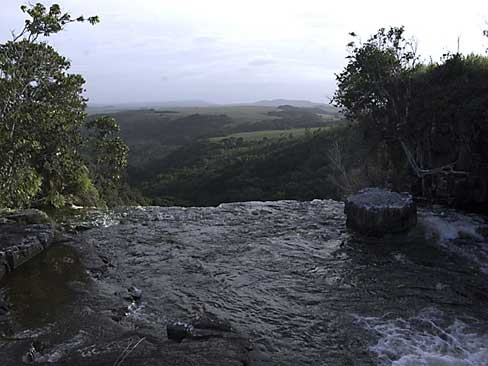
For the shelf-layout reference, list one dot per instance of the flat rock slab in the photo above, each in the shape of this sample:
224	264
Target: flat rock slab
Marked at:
26	217
376	211
20	243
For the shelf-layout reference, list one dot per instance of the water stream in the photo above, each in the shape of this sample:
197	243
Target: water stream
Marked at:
287	275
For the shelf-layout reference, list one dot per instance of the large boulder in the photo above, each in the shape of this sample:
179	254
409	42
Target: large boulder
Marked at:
376	211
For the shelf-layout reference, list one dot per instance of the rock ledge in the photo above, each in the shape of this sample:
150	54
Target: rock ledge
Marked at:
23	235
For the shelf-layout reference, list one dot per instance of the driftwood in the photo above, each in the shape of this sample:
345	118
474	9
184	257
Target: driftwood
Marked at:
420	173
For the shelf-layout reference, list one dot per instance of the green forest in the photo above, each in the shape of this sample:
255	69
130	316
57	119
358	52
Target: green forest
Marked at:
396	121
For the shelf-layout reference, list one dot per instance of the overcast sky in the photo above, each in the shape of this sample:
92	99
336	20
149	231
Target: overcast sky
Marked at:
239	50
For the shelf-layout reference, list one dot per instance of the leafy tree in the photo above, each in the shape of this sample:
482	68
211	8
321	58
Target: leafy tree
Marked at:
375	84
485	33
106	154
430	118
42	111
376	88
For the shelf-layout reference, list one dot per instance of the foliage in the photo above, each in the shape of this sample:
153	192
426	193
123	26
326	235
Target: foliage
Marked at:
152	134
42	112
194	159
449	115
269	134
375	84
45	22
485	33
106	155
430	119
235	169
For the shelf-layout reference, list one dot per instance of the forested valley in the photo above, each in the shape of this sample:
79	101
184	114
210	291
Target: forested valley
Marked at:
396	121
401	124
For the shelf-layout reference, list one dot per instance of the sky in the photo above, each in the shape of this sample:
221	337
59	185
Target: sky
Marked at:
239	50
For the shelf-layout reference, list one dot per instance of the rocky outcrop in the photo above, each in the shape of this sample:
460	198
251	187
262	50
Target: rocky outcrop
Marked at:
375	211
23	235
27	217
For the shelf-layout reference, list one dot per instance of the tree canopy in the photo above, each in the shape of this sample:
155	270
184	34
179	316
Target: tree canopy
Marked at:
429	117
42	112
375	84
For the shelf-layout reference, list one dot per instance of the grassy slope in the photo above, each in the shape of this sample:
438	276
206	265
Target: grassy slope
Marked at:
240	114
269	134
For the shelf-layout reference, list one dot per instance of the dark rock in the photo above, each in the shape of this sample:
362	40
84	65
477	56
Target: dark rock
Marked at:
375	211
483	231
16	256
45	237
211	322
4	307
178	331
3	270
118	314
134	293
30	216
19	243
34	353
83	227
4	267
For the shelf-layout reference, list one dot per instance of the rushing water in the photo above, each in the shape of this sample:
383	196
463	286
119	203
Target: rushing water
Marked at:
287	275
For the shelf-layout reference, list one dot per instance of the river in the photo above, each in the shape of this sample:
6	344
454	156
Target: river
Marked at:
287	277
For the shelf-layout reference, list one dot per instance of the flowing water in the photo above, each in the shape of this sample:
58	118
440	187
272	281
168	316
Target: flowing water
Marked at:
287	275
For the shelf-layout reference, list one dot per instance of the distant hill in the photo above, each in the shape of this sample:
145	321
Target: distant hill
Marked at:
184	104
295	103
96	108
273	103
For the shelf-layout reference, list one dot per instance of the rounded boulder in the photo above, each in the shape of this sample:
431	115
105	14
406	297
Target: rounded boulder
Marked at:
376	211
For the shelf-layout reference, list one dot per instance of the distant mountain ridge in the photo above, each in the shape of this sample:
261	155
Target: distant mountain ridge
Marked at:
139	105
279	102
275	103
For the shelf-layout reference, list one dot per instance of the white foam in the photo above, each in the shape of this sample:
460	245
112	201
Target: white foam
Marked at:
451	225
55	354
427	340
458	233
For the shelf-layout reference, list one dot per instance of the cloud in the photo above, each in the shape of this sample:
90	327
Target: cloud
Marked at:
189	74
262	61
205	40
237	50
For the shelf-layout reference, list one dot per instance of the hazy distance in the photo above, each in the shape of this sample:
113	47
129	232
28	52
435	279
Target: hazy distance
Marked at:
239	51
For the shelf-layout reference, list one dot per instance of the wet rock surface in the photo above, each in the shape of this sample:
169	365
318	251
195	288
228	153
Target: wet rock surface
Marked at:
263	283
20	242
70	322
376	211
27	217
